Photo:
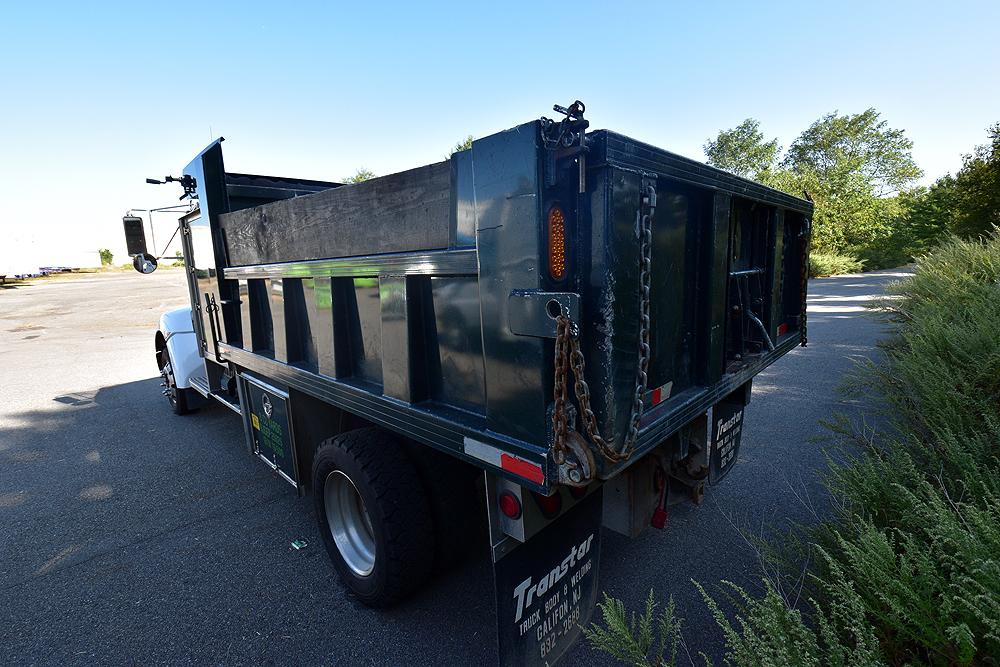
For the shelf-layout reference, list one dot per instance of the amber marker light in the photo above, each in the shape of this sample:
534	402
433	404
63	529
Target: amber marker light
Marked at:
557	243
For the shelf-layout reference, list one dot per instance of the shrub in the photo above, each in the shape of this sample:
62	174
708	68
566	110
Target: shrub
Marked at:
107	257
769	631
632	639
832	264
907	571
919	526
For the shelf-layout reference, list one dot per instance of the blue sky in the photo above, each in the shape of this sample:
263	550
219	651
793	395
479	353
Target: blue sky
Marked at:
97	97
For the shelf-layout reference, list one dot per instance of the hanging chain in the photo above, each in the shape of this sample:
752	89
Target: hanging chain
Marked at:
560	420
645	268
569	355
804	265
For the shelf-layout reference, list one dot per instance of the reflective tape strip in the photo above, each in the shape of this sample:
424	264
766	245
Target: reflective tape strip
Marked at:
525	469
661	393
501	459
482	451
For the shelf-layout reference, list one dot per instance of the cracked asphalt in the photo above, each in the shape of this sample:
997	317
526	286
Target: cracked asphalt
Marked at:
130	535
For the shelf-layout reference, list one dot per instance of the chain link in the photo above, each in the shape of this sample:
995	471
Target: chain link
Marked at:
568	355
804	288
560	420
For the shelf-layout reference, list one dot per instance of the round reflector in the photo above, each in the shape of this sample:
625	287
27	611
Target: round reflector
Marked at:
510	505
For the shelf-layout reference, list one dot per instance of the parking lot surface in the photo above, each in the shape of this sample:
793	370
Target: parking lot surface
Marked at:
131	535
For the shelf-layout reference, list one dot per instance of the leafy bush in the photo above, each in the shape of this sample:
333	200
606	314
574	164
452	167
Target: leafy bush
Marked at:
832	264
107	257
908	569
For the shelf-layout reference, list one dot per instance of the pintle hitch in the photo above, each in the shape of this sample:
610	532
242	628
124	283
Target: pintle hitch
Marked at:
566	138
189	184
576	466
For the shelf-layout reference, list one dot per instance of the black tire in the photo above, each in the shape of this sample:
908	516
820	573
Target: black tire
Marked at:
178	398
397	508
457	506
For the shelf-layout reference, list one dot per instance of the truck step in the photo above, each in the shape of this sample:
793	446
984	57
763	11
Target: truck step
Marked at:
231	403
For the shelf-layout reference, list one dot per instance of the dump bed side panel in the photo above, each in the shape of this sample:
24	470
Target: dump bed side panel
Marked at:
403	212
373	297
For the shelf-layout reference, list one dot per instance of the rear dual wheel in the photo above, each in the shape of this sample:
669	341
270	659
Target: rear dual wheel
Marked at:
374	515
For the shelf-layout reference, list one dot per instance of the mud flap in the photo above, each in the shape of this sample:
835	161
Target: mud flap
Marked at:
727	432
546	588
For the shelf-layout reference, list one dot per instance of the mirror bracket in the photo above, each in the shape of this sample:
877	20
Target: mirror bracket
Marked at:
144	263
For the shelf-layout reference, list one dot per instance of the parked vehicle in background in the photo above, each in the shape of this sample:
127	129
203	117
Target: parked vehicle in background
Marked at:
559	325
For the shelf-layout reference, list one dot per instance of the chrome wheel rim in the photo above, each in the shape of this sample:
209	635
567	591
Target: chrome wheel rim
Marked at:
170	385
349	523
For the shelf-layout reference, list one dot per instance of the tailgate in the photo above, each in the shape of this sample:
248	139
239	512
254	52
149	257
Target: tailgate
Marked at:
725	293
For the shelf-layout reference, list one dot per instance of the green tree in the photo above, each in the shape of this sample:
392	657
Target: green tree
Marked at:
743	151
857	170
966	204
977	189
107	257
360	176
928	213
463	145
858	152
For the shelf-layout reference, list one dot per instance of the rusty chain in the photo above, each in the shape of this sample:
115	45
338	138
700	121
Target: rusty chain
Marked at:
804	275
560	420
568	355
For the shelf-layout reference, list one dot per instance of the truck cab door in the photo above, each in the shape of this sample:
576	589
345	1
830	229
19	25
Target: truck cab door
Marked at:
189	221
197	241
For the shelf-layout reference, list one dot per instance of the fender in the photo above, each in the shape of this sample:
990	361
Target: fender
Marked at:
177	335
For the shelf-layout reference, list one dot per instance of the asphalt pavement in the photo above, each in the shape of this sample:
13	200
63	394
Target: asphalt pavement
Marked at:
130	535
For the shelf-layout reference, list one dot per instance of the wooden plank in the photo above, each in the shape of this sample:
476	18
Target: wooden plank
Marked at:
403	212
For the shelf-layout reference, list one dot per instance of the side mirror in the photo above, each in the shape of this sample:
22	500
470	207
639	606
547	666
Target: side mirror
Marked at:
144	263
135	235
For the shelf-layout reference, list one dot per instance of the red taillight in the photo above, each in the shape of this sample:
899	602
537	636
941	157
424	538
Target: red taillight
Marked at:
550	505
510	505
557	243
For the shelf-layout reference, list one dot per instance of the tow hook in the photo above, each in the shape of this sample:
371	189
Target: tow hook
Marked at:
688	483
577	468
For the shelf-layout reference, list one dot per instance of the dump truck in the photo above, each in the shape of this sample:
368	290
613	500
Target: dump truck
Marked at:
548	334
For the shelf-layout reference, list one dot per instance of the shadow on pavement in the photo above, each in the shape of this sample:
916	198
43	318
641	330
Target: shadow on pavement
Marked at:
131	534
